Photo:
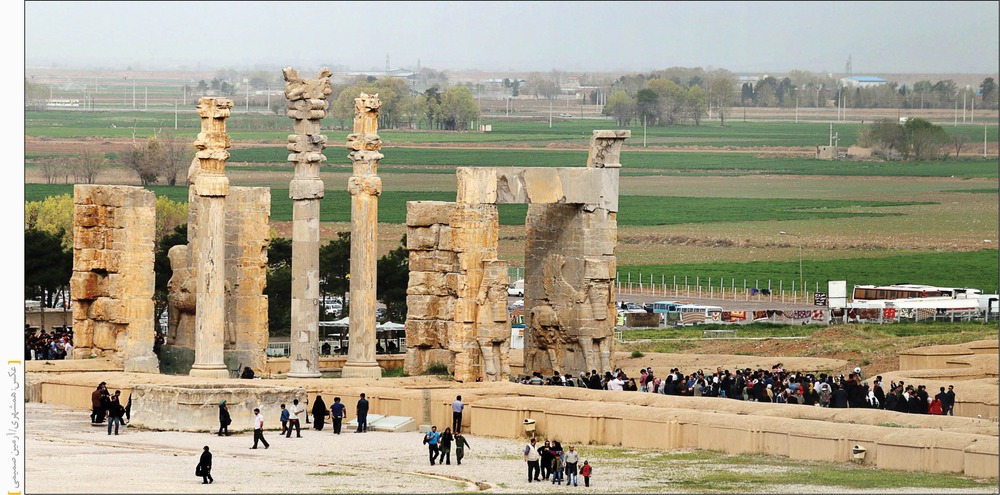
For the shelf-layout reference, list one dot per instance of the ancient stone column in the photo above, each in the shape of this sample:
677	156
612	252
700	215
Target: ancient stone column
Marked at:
211	187
364	186
307	106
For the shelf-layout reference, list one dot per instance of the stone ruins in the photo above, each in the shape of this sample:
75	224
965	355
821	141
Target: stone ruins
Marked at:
246	227
307	107
364	185
454	295
112	282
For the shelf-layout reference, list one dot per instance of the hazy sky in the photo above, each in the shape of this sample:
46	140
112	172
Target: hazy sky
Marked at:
881	37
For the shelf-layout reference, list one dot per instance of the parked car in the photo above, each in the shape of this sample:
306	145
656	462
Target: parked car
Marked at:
516	289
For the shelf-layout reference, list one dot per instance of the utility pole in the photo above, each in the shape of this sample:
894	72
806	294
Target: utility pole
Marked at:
550	113
133	94
175	114
643	131
145	98
984	140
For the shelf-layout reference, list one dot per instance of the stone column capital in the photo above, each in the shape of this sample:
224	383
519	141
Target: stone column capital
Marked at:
299	189
369	185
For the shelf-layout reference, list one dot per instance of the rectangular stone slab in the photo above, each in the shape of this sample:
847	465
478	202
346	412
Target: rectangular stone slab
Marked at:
533	185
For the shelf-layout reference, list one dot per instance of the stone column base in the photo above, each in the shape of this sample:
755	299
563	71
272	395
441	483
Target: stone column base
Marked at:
148	364
209	372
361	370
304	374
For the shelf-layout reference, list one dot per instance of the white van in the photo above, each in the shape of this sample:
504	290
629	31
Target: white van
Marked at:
516	289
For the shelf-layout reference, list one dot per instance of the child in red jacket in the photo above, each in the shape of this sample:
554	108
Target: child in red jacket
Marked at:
585	472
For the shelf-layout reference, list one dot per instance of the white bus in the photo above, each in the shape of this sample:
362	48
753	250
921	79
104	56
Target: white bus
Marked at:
694	314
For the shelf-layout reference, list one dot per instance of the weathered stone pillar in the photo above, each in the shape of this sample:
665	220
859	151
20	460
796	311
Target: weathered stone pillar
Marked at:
364	186
211	186
307	106
112	283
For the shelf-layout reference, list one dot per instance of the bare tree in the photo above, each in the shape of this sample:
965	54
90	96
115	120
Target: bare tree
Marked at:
87	166
174	156
144	160
958	140
49	167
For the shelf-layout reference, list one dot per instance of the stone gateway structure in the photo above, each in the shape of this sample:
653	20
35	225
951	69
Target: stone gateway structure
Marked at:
453	296
112	283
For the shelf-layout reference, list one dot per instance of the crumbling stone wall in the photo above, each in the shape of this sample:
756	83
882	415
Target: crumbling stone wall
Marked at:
246	335
112	283
451	315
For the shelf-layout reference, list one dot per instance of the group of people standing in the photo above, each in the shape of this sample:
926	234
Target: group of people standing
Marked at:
551	460
106	406
439	445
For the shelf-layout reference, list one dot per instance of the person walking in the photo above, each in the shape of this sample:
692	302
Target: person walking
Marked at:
224	419
572	457
444	446
456	414
293	419
115	412
431	439
362	415
284	419
205	467
258	429
531	456
949	408
337	413
319	413
460	445
585	472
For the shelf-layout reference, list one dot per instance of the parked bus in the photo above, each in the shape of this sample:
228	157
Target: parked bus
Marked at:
912	291
694	314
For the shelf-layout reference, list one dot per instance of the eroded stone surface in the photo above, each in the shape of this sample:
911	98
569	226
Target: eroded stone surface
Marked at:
112	283
307	107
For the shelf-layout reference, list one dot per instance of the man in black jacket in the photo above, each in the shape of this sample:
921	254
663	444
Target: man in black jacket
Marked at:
949	407
362	415
205	463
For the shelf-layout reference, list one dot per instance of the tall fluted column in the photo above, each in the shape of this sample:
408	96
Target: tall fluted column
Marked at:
364	186
211	187
307	106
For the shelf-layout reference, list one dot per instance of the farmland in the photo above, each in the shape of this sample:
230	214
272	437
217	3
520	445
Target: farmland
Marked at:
701	201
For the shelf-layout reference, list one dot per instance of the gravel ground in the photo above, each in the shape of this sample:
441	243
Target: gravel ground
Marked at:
66	454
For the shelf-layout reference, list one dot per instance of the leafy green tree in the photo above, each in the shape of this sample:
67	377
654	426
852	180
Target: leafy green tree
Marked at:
53	215
671	98
279	286
621	106
48	265
722	93
647	106
927	141
988	92
696	104
335	267
393	275
886	137
458	108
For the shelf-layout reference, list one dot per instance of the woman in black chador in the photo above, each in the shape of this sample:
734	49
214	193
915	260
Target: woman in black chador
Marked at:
319	412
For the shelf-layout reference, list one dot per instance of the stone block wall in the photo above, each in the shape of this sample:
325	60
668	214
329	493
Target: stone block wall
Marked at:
113	281
448	244
248	211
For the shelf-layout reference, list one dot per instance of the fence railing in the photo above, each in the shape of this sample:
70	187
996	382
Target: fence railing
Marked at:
717	288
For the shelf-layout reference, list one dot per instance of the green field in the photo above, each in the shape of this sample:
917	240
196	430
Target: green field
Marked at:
66	123
635	210
977	269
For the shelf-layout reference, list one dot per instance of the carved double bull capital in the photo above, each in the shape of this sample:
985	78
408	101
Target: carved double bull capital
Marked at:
369	185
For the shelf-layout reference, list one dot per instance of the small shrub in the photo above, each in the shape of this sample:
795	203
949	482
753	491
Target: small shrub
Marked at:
637	354
437	369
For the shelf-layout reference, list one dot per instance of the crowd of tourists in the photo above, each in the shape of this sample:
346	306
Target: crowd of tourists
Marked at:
775	385
42	345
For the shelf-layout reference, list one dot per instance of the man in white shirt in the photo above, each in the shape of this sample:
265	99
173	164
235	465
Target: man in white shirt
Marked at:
258	429
616	383
293	419
456	414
